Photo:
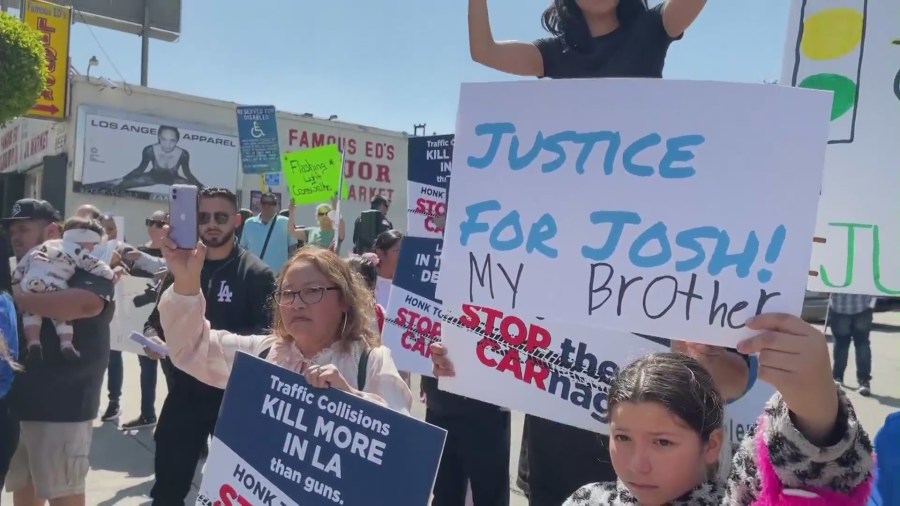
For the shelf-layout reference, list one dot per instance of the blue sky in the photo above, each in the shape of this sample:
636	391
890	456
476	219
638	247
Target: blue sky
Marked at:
390	63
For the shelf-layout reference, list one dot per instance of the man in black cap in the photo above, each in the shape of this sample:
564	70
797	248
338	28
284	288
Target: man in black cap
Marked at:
57	400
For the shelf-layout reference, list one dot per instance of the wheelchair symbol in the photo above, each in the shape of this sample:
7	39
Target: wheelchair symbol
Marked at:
256	132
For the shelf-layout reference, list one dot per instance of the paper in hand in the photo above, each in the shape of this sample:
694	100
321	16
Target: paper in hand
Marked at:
141	339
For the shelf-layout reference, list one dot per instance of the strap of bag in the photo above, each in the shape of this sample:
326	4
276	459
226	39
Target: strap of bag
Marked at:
262	254
363	364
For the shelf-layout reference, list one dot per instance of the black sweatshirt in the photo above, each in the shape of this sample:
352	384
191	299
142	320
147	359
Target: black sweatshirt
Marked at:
238	292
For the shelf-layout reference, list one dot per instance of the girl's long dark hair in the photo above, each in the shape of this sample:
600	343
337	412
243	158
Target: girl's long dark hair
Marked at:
564	19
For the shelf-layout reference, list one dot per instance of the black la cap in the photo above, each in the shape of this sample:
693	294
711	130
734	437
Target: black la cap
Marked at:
32	209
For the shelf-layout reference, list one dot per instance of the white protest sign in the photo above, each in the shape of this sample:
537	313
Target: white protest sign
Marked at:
135	300
672	208
413	316
743	413
850	47
553	370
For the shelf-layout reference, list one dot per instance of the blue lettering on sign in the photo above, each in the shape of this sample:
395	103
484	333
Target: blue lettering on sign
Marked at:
677	151
653	248
539	233
653	245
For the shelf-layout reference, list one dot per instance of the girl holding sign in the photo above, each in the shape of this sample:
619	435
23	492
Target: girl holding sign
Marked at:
666	424
589	38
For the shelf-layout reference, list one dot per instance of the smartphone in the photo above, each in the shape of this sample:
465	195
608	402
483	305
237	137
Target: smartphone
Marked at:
184	204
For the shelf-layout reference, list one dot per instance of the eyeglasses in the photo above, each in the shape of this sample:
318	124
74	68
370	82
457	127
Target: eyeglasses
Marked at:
154	223
221	218
323	213
309	296
267	203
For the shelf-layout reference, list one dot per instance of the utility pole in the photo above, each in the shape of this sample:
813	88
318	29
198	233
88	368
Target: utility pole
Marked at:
145	43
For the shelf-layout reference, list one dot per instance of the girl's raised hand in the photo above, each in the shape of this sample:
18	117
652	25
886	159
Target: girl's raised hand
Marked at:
793	357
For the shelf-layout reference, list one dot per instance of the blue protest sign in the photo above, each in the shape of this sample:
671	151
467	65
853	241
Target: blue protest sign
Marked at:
430	160
258	134
418	264
273	179
279	441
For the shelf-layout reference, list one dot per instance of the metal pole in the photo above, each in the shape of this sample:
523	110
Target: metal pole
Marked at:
145	43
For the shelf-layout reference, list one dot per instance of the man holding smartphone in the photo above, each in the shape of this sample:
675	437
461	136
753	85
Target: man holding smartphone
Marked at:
238	287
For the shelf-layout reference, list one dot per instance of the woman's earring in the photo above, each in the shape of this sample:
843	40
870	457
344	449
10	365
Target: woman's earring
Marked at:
344	325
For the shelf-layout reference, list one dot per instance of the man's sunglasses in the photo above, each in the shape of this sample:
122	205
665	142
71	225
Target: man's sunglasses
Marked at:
221	218
268	203
154	223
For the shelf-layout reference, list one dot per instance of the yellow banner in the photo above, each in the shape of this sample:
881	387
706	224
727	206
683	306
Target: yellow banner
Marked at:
53	22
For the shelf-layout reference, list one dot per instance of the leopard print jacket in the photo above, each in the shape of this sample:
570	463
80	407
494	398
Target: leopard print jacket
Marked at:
798	463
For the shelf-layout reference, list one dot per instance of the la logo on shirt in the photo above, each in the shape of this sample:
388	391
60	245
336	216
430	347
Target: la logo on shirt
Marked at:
224	292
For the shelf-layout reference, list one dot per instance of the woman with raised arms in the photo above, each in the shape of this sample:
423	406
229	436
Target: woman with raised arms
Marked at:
589	38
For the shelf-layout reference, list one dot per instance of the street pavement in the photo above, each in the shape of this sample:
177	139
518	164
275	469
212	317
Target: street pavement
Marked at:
122	464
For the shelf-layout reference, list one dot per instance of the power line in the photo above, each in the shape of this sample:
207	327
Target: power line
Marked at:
102	49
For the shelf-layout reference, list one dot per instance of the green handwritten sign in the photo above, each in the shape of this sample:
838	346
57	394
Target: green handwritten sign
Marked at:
880	287
313	175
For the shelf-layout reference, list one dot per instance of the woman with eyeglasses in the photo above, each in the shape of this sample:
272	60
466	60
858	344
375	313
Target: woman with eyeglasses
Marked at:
146	260
322	327
324	235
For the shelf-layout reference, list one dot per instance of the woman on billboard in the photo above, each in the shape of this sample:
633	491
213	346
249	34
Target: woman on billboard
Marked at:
165	161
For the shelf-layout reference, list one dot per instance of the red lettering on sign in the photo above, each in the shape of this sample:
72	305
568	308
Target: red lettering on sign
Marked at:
372	168
306	139
421	331
9	158
9	138
48	32
513	331
366	193
379	150
36	145
227	496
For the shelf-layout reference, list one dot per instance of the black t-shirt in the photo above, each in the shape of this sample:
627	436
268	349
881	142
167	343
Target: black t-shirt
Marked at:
54	389
638	50
446	403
